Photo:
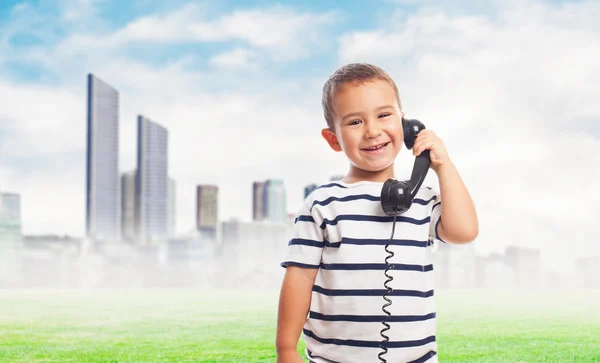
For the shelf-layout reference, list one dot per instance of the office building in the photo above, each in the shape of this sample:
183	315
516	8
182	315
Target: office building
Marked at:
207	210
258	189
171	208
102	162
128	196
269	201
151	181
10	221
275	201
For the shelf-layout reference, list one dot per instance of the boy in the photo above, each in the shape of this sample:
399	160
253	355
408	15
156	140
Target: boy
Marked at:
334	281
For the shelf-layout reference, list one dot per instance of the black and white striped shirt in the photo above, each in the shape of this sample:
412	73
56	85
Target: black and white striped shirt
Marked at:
342	230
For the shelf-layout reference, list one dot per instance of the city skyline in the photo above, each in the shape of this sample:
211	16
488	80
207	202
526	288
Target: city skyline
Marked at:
513	111
146	196
146	206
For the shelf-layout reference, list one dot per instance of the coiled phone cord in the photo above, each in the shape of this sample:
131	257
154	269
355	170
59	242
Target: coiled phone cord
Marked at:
385	295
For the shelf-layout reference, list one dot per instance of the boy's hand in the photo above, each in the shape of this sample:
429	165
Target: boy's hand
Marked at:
291	356
428	140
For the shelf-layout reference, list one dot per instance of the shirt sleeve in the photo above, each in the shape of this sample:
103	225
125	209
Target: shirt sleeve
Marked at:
436	218
306	245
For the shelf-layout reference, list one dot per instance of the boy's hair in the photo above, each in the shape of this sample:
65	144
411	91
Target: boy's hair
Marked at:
354	73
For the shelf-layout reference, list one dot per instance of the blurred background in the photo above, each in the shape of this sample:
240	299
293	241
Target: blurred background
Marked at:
150	144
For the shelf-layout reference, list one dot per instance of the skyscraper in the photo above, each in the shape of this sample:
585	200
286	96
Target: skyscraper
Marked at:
269	202
258	189
151	181
11	238
102	171
207	210
275	201
171	208
128	205
10	220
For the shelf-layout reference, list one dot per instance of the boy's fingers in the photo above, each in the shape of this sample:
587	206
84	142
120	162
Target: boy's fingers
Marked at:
426	143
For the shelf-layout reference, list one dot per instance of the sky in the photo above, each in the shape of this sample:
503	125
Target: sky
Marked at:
511	87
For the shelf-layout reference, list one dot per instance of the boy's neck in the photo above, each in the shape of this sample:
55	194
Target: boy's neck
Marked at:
356	175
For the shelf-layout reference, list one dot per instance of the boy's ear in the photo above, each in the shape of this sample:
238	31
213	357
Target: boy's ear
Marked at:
331	139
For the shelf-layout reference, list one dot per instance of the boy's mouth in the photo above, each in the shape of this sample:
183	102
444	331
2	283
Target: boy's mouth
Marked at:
376	147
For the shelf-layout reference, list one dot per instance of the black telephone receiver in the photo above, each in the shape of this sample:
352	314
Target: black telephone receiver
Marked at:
396	195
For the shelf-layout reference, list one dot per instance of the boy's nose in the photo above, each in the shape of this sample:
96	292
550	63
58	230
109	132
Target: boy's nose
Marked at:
372	131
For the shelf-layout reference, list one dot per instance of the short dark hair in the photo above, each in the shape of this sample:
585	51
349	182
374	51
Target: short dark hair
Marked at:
354	73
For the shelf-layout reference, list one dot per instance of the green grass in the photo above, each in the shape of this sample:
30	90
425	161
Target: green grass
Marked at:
239	326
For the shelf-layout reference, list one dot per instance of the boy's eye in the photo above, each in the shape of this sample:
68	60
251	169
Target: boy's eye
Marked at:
354	122
385	114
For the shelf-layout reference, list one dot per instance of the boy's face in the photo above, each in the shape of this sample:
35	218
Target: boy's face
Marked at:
368	125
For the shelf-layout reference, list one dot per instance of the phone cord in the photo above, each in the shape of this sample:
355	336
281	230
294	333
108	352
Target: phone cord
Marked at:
385	295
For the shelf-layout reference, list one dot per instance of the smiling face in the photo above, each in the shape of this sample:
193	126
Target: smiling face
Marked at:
367	128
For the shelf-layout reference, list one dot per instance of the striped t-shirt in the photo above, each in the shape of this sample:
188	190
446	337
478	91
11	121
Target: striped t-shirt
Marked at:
342	230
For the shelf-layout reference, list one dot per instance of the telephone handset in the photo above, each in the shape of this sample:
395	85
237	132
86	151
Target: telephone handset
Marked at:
396	198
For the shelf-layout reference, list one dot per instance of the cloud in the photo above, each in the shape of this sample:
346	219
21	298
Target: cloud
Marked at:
33	118
79	10
279	31
237	58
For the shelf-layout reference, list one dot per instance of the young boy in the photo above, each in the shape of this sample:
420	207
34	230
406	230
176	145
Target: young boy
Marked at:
334	283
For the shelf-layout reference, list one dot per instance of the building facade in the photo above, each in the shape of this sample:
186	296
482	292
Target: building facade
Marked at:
269	201
275	201
151	181
171	207
258	189
207	210
128	196
10	221
11	239
102	159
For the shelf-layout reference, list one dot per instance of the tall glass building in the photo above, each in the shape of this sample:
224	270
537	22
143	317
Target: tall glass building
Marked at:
10	239
128	205
151	181
207	210
171	208
102	171
275	201
10	220
269	201
258	208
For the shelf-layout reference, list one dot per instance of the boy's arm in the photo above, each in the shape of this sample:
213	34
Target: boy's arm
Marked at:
458	220
294	303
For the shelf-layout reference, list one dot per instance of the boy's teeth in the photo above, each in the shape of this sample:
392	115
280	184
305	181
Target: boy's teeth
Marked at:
377	147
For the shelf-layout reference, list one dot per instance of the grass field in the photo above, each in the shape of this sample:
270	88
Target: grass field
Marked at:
239	326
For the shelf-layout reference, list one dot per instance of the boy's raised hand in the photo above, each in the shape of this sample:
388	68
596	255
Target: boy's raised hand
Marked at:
428	140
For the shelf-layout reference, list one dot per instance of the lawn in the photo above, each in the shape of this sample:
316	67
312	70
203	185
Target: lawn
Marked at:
239	326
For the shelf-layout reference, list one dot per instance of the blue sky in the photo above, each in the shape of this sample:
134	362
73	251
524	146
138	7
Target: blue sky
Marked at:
110	16
507	85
